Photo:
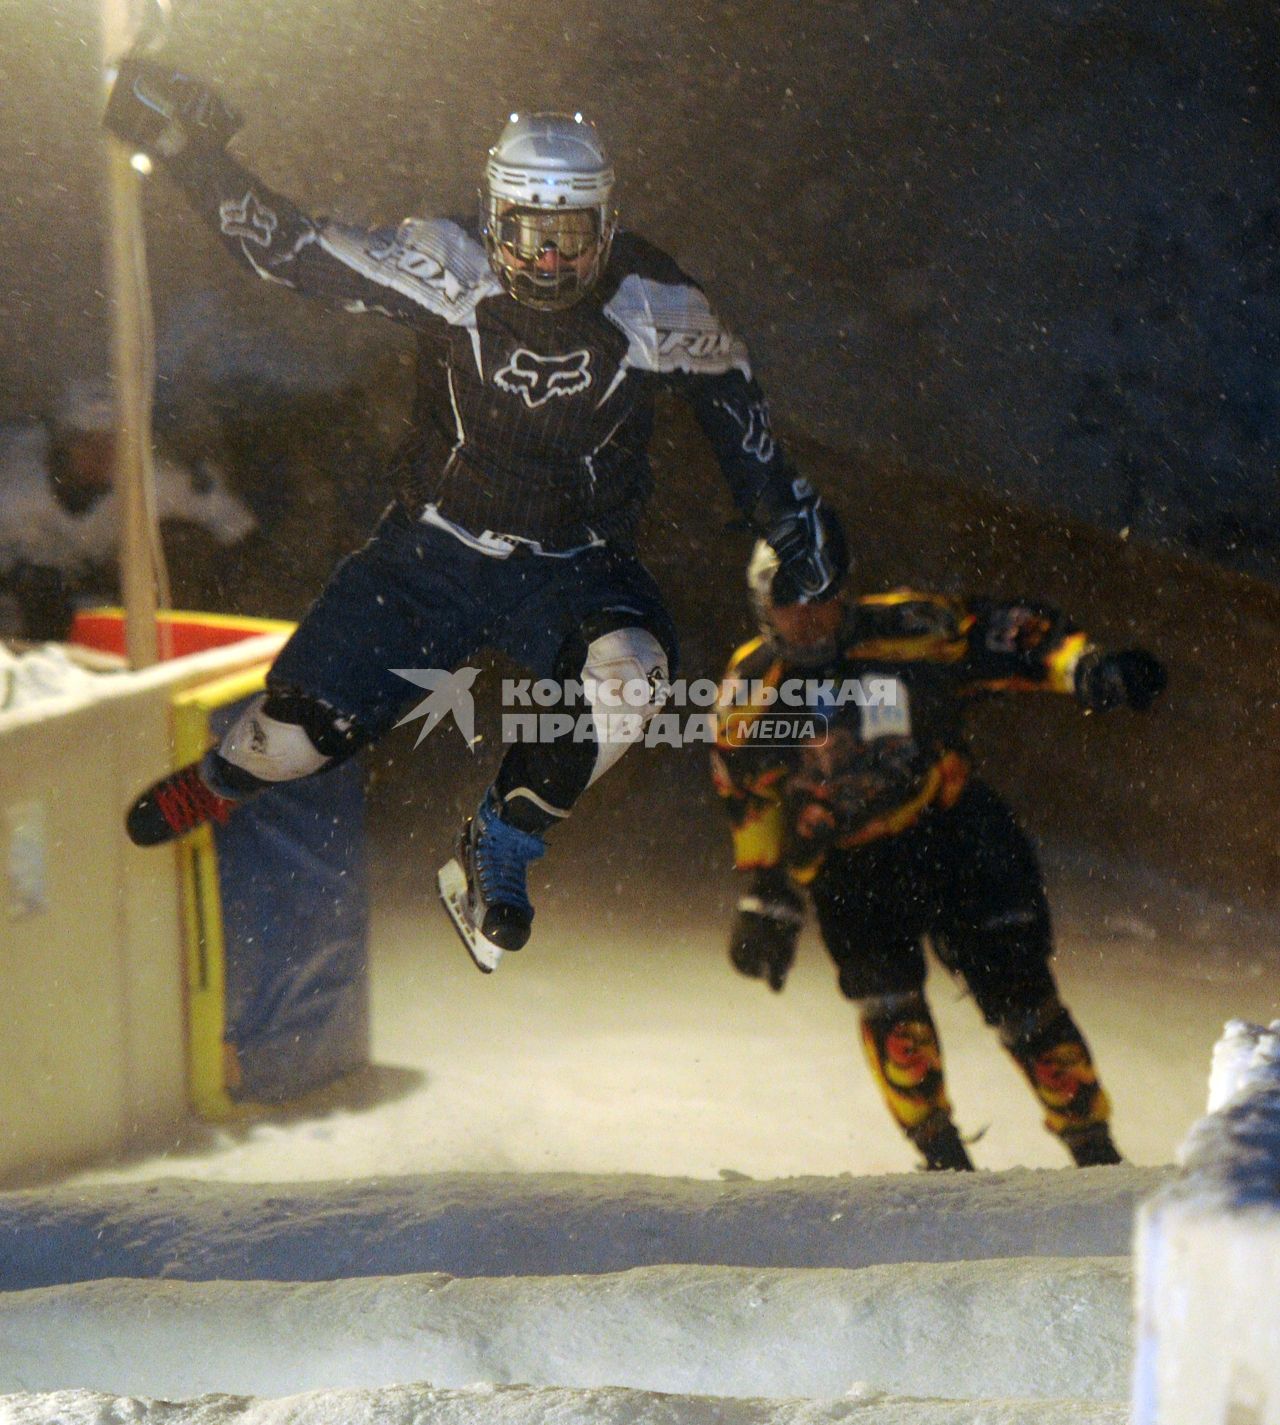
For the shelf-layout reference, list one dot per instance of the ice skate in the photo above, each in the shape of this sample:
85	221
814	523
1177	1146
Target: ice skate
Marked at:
1092	1147
483	888
175	806
941	1145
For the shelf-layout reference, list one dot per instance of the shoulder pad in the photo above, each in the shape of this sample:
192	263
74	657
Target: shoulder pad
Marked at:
634	254
432	261
907	613
755	661
669	326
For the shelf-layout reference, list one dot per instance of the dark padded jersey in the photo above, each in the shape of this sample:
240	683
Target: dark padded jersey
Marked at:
529	425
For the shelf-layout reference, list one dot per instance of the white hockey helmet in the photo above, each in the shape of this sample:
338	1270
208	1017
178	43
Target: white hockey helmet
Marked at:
546	209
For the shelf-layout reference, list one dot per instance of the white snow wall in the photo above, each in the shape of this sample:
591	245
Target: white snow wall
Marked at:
90	939
1208	1254
745	1332
674	1300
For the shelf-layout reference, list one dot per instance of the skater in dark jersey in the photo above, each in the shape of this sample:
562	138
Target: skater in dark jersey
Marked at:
872	813
544	334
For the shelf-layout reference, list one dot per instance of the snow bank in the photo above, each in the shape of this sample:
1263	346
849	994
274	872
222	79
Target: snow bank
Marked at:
520	1405
40	673
1020	1327
483	1224
1209	1253
787	1301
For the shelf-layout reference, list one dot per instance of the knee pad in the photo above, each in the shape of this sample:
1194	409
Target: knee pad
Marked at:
271	748
624	684
617	676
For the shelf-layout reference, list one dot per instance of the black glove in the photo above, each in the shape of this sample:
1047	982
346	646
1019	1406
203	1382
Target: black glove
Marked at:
766	924
1132	677
813	558
163	111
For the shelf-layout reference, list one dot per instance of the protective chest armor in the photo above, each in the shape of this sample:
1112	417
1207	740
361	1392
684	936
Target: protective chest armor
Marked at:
537	423
907	649
885	743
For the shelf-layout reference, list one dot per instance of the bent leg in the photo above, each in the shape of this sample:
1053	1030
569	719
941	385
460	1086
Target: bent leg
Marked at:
595	623
394	604
996	935
622	670
622	673
872	917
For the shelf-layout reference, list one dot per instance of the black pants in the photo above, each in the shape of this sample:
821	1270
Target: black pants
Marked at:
967	878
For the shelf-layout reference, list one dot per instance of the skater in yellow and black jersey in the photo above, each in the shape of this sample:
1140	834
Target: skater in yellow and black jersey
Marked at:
873	813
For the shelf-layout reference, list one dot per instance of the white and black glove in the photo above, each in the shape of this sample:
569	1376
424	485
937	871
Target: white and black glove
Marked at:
766	924
1130	678
164	111
808	539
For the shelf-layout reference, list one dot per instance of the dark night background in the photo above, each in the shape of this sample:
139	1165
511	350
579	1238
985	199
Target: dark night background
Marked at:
1010	275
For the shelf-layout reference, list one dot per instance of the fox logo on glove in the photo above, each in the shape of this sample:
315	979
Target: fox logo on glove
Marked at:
536	379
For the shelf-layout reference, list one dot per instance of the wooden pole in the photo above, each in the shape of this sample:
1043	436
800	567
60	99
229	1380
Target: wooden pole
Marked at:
132	363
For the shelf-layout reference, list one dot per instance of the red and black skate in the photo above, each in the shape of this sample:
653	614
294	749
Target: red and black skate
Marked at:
174	806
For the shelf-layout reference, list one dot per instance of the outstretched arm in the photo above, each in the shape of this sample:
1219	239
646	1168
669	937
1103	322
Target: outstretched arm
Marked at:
186	124
676	335
1032	647
780	505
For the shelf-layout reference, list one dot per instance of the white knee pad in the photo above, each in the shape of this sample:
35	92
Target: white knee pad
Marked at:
625	683
270	750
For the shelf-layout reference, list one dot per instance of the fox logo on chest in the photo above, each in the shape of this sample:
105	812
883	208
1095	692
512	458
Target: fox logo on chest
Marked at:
537	379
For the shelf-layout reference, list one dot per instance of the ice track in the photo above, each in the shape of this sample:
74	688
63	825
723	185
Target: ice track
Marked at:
522	1405
429	1299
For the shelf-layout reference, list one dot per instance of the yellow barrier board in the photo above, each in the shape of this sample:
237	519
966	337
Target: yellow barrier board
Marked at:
211	1067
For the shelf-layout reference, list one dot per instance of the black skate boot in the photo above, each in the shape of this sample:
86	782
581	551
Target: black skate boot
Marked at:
1092	1147
484	887
174	806
938	1139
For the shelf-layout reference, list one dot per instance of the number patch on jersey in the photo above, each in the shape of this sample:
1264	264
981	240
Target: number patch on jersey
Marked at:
536	379
888	715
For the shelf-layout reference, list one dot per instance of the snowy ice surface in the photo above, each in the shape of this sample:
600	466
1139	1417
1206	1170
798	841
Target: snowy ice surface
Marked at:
730	1331
523	1405
304	1278
497	1225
